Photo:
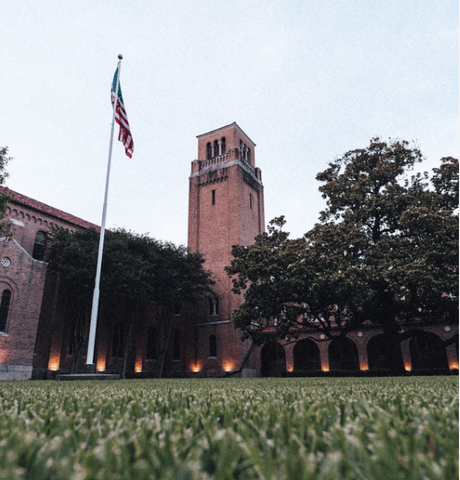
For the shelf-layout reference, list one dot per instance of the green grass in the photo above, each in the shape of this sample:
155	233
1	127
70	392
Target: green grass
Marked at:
309	428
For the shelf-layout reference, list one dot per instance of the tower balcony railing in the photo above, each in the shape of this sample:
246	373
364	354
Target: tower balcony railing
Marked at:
214	161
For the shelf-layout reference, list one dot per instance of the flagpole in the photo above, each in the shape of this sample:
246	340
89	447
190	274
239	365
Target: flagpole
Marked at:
90	366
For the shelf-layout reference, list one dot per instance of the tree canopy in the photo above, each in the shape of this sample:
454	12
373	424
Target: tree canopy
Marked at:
5	195
136	271
385	251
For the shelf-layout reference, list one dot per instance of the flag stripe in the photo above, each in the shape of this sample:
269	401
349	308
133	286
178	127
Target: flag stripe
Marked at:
122	118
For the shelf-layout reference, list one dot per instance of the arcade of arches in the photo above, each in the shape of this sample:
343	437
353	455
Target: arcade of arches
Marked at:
434	349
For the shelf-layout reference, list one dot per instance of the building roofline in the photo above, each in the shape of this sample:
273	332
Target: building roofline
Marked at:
33	204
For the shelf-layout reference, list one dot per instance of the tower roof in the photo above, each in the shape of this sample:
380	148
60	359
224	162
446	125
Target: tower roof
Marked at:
227	127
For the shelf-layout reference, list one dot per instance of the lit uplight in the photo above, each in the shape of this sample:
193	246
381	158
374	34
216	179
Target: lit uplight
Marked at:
53	364
453	365
324	368
408	367
228	367
195	368
138	366
290	368
364	367
100	367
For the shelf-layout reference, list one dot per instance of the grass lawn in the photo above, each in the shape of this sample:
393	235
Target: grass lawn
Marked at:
309	428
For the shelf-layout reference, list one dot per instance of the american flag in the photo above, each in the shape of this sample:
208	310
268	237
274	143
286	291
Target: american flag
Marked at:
122	119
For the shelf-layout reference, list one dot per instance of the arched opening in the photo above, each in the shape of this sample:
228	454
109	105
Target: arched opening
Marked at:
4	309
212	346
208	151
377	353
224	145
39	245
216	148
343	355
427	352
306	355
273	360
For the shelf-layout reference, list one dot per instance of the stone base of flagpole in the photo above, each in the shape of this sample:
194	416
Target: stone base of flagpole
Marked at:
90	368
87	376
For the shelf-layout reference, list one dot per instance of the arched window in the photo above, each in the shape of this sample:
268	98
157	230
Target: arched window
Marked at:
39	245
216	148
208	151
213	306
212	346
224	145
176	346
249	155
151	353
4	309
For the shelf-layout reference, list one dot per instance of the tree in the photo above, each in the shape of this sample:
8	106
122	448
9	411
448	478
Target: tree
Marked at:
385	252
137	272
287	290
5	195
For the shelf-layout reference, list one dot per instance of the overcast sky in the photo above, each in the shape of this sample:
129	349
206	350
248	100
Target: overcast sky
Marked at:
307	80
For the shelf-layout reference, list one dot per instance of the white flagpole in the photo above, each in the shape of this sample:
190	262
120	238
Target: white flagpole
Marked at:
90	365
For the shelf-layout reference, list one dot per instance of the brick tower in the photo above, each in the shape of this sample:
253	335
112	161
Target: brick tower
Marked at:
226	207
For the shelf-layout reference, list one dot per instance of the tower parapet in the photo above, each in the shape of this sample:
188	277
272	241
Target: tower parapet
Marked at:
223	148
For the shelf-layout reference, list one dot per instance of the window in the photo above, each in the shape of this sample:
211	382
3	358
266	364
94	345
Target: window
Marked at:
39	245
212	346
176	346
151	344
250	200
216	148
208	151
4	309
223	142
213	197
213	306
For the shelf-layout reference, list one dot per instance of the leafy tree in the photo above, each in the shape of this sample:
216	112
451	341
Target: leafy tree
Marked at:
384	252
137	272
5	195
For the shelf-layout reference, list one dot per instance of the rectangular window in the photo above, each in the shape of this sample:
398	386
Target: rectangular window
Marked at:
213	197
118	340
250	200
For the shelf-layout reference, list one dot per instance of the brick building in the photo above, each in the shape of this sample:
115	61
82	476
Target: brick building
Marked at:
226	207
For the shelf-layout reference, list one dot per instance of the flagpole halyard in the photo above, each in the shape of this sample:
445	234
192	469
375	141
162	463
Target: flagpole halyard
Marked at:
90	365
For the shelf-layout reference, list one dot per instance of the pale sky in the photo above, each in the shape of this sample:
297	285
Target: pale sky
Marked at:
306	80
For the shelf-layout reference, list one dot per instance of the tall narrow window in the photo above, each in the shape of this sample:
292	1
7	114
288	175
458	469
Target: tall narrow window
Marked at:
216	148
151	344
224	145
213	197
118	340
208	151
39	245
176	346
250	200
213	306
4	309
212	346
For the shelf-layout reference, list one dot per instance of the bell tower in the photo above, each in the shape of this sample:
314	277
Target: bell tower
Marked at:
226	208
